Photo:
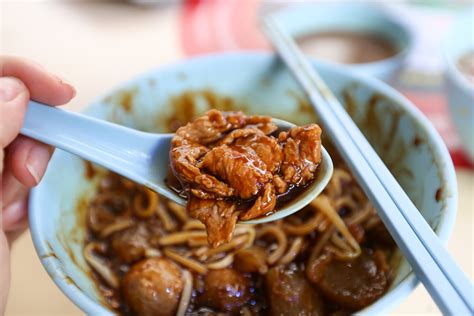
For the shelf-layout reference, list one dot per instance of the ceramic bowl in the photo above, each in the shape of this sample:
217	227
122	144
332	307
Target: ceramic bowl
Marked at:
459	41
303	19
254	83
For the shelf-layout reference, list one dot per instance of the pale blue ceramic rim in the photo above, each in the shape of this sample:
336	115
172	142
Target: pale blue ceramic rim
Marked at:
384	304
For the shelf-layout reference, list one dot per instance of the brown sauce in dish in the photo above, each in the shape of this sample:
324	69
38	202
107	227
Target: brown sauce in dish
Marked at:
347	47
140	260
466	66
146	252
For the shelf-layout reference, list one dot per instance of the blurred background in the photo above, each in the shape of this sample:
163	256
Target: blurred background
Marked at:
96	45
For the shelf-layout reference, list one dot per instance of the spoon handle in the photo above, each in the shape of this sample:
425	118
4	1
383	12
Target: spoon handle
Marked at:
115	147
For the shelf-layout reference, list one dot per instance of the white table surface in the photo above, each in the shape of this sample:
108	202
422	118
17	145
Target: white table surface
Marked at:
97	45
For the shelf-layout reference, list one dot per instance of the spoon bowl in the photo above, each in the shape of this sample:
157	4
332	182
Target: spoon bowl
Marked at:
140	156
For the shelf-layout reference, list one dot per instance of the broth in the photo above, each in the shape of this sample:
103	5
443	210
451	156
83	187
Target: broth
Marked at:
347	47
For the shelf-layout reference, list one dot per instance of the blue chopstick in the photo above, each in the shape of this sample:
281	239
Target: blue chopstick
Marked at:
450	288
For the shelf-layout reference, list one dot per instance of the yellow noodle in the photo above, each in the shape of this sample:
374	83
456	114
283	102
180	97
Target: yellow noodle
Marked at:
152	253
119	225
186	294
338	177
178	210
197	241
322	203
234	243
322	241
180	237
346	201
221	264
281	241
128	184
323	226
250	231
99	265
305	228
359	195
168	223
193	224
339	242
372	222
200	251
187	262
292	252
145	211
360	217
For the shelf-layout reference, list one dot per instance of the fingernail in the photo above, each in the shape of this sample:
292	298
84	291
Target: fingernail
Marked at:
37	161
65	82
10	88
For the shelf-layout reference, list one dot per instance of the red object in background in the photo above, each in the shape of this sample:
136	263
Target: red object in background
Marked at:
434	106
209	26
220	25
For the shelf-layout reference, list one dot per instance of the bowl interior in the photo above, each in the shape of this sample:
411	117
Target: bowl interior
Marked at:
254	83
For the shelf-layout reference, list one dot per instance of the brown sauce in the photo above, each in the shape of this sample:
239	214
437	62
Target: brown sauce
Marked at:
248	285
347	47
466	66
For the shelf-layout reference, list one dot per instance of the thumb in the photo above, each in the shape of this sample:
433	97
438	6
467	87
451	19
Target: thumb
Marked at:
14	98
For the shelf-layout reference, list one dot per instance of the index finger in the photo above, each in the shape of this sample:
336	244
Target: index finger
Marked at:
43	86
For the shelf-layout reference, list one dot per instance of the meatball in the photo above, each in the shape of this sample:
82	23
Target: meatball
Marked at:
353	284
289	293
153	287
129	244
225	290
251	259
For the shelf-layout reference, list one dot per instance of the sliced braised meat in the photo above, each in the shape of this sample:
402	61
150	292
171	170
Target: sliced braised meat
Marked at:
302	153
289	293
238	166
230	160
265	147
219	216
153	287
184	161
352	284
263	205
226	290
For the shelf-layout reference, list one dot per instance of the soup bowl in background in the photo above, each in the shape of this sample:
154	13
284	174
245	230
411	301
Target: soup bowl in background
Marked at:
304	20
254	83
460	41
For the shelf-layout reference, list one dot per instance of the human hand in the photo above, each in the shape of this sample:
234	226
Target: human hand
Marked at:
23	161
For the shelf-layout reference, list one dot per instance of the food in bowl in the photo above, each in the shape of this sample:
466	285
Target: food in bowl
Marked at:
150	257
466	66
348	47
232	166
176	94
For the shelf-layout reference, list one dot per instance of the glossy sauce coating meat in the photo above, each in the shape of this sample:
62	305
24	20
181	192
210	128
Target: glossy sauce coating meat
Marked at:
234	166
153	287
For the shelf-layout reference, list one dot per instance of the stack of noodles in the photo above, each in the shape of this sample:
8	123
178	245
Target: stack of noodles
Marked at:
317	229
